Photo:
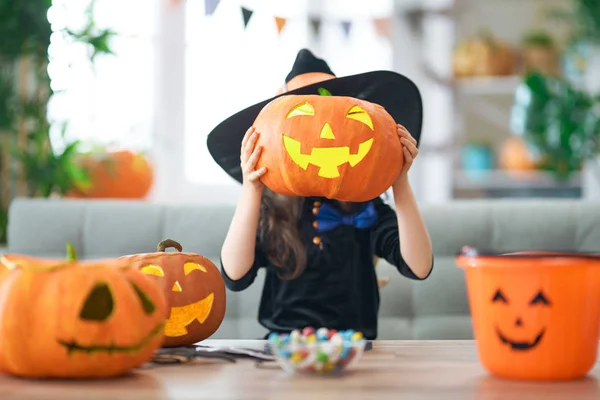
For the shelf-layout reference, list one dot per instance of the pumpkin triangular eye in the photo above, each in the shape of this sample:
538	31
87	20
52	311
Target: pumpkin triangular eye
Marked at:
301	109
540	299
359	114
498	296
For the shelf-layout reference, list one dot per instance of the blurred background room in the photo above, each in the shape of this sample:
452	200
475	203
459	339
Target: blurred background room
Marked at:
114	98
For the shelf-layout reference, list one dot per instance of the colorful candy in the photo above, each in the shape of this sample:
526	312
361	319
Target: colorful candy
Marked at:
323	350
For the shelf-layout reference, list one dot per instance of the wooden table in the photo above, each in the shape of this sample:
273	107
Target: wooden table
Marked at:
399	370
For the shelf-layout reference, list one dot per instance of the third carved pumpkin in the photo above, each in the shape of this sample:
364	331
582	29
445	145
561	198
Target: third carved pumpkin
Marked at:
338	147
193	287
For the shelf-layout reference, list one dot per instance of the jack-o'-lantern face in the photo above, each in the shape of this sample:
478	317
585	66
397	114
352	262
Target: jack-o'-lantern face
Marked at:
194	289
333	146
535	315
329	159
69	319
521	334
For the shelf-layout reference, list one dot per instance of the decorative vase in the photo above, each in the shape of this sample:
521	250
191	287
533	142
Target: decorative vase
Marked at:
477	160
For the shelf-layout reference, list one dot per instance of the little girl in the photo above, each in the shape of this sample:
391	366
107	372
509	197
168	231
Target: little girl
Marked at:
319	271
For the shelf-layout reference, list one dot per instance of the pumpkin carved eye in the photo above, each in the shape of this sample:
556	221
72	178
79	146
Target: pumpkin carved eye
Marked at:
99	304
153	270
147	304
499	297
301	109
359	114
540	299
188	267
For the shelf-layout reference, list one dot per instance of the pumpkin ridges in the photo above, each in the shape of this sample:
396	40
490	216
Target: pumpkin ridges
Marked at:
116	174
284	176
196	286
40	354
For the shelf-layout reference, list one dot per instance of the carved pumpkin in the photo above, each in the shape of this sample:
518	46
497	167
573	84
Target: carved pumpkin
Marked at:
70	319
194	289
536	315
321	145
116	174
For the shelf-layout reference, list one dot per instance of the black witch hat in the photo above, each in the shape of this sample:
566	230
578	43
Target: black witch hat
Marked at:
395	92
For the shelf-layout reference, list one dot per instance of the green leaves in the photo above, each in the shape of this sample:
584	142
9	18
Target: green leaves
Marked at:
323	92
24	28
25	35
560	123
583	17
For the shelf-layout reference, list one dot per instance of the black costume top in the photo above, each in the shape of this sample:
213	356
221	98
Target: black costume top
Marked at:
338	289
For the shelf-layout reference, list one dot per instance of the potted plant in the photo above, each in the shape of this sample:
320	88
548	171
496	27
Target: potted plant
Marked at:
581	59
559	122
29	164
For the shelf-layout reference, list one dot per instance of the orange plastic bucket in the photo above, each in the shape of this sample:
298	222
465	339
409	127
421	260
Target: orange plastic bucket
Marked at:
536	315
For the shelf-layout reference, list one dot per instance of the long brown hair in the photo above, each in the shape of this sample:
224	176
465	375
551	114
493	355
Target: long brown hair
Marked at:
279	234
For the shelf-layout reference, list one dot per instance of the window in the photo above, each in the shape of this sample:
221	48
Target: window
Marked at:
110	101
177	73
229	67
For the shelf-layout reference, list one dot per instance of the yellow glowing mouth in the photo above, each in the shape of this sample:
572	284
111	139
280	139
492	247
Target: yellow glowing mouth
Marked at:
328	159
185	315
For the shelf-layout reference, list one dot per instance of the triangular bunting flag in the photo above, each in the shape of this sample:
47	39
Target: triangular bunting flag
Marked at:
383	27
280	23
315	24
247	14
346	26
210	6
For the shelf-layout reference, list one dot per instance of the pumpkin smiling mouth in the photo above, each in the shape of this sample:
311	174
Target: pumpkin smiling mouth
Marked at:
73	346
182	316
328	159
521	345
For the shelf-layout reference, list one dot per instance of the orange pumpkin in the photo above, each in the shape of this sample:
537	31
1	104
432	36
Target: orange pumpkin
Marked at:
70	319
536	315
119	175
516	156
338	147
193	287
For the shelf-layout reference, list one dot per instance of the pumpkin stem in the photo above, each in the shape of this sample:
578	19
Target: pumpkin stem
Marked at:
323	92
71	252
162	246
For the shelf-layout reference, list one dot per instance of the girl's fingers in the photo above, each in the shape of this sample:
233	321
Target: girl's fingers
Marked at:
254	158
406	134
410	147
249	133
257	174
250	146
408	158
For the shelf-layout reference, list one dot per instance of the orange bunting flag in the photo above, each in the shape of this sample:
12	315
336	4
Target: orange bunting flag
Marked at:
383	27
280	23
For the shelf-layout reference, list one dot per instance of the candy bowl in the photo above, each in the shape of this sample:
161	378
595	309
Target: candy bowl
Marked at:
322	352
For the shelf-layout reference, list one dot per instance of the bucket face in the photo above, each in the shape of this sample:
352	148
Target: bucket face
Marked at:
535	317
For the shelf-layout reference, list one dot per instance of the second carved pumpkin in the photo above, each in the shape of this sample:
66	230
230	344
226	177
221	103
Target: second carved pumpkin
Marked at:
193	287
337	147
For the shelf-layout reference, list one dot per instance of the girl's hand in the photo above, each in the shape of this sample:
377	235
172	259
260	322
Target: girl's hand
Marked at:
410	150
249	156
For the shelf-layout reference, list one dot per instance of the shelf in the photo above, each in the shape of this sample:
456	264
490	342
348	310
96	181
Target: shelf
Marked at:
509	180
501	85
